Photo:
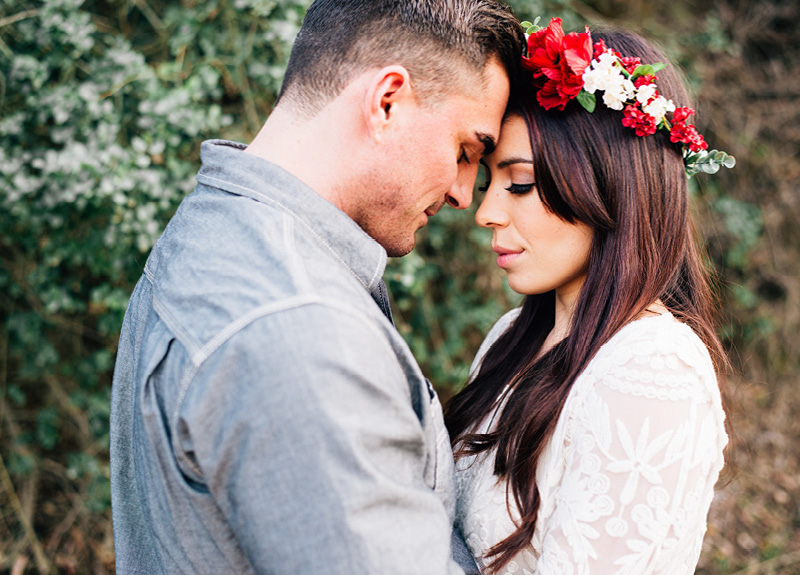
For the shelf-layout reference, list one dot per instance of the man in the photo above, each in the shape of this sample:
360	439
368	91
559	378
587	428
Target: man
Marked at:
266	416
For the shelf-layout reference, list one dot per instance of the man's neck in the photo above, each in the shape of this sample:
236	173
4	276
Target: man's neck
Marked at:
282	141
313	150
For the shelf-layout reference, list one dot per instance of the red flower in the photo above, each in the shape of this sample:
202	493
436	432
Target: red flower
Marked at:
698	144
680	133
577	51
643	123
680	115
687	134
644	80
630	64
600	47
544	48
561	60
549	98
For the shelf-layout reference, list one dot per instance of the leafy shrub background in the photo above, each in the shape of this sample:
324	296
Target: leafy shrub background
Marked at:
103	105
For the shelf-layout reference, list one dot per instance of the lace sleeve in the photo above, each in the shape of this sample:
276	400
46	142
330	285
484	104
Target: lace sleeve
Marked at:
642	448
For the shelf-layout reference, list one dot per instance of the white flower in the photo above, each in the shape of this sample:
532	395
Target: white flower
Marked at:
606	61
605	76
616	95
645	93
594	80
658	108
602	74
613	101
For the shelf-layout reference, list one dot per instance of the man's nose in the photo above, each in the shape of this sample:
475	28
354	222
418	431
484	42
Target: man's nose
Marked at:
460	194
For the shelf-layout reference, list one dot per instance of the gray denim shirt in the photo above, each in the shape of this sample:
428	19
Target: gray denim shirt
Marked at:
266	415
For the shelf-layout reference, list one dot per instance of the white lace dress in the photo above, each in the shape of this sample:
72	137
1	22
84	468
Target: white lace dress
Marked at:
628	477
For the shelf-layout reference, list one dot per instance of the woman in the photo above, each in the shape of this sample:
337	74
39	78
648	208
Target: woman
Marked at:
590	435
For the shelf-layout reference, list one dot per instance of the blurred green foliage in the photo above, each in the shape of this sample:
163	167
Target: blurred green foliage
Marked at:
103	106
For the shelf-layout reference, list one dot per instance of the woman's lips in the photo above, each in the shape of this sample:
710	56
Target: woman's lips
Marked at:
506	256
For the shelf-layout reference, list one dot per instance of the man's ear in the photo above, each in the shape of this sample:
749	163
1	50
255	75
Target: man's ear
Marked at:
389	90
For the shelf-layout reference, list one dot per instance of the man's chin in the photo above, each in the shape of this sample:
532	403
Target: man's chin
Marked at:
399	248
399	252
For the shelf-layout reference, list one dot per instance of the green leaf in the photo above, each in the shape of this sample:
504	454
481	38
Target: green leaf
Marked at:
691	158
709	163
531	27
587	100
647	69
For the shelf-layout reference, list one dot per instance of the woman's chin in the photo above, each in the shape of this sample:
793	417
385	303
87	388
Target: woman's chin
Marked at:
521	287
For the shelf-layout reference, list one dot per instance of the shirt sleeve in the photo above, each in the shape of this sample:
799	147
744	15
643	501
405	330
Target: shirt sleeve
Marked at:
643	449
303	428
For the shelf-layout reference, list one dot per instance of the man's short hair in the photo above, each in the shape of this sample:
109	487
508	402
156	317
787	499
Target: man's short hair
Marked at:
437	41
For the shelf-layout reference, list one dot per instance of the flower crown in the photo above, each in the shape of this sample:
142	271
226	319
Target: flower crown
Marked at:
569	67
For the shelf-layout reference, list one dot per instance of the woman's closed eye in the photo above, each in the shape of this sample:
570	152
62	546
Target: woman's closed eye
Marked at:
521	188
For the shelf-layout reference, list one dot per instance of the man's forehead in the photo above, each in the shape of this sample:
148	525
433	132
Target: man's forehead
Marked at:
486	107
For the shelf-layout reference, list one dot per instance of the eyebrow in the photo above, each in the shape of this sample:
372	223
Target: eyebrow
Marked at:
510	161
488	142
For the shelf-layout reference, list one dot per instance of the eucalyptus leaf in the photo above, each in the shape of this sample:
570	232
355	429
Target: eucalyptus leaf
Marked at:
531	27
708	162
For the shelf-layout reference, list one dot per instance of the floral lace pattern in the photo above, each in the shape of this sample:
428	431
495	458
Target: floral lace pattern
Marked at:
628	477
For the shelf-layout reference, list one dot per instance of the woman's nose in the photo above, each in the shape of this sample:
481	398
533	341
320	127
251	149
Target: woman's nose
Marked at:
492	213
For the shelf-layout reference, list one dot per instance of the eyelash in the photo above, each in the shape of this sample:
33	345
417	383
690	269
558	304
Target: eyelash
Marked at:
520	188
464	157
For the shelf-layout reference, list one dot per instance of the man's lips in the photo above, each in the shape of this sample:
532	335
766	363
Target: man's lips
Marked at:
433	210
430	212
505	255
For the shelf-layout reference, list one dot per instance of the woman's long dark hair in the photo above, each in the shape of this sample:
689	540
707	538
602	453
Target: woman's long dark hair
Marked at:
632	191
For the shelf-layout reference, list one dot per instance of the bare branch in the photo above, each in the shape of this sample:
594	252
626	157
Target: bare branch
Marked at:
42	561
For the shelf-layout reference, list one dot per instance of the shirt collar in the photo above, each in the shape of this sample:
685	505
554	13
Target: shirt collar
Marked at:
226	166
